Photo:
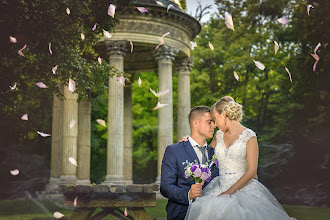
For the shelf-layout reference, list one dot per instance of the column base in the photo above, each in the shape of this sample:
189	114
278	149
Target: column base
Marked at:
68	179
84	182
157	180
128	182
53	184
114	180
51	191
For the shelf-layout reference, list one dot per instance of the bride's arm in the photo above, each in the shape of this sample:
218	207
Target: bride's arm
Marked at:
252	164
214	141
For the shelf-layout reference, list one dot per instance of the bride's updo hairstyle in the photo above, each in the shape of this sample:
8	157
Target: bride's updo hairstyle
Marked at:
234	111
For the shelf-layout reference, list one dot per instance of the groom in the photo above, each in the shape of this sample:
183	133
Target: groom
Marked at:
179	190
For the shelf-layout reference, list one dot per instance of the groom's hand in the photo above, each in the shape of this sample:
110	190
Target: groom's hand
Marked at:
196	190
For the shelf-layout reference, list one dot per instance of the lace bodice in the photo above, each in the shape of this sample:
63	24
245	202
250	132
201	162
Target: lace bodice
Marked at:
233	159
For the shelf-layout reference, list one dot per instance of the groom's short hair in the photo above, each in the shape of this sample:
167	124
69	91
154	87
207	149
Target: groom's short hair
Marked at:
197	111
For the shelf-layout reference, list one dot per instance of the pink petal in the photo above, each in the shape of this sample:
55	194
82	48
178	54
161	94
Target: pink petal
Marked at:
315	56
72	85
42	134
72	123
68	11
41	85
14	172
159	3
111	10
259	65
317	47
236	76
161	40
14	87
107	34
314	66
75	201
24	47
211	46
73	161
169	6
229	21
288	73
193	45
94	27
309	8
153	92
99	60
164	35
54	69
125	212
101	122
25	117
131	43
21	53
82	36
50	48
12	40
142	9
276	47
162	93
283	20
139	81
121	80
58	215
158	106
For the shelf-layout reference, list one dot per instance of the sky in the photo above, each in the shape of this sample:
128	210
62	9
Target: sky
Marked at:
192	5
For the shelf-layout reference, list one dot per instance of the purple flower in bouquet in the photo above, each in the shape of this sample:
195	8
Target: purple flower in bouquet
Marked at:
197	172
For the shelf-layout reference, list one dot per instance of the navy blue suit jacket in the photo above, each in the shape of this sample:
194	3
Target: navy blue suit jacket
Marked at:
173	184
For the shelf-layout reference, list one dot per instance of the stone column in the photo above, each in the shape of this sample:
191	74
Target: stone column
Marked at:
128	134
84	142
69	144
165	56
184	101
115	153
56	145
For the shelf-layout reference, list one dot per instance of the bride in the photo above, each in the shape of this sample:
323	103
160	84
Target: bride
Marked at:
234	194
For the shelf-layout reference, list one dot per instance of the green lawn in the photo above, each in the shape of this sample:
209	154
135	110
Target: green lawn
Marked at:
21	209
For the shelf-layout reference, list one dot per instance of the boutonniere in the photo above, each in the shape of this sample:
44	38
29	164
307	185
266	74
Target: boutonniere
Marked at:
213	161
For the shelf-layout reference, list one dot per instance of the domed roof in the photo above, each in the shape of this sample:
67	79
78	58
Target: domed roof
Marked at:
165	4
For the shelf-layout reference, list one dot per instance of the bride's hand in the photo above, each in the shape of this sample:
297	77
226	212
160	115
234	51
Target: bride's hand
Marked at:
225	193
184	138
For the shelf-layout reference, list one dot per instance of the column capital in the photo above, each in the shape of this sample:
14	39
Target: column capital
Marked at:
116	47
166	52
185	64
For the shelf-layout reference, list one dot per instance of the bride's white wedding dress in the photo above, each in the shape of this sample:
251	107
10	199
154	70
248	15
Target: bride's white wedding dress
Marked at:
253	202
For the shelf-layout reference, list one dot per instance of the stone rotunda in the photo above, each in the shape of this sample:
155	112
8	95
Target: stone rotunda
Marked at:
144	31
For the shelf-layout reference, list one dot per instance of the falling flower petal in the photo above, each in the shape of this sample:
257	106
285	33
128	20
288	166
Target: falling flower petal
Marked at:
107	34
82	36
229	21
315	56
317	47
164	35
25	117
14	172
169	6
276	47
12	40
288	73
159	3
121	80
54	69
161	40
72	85
159	94
111	10
73	161
50	48
68	11
42	134
101	122
211	46
236	76
99	60
20	50
94	27
75	201
193	45
131	43
72	123
142	9
309	8
259	65
41	85
283	20
58	215
314	66
139	81
158	106
14	87
125	212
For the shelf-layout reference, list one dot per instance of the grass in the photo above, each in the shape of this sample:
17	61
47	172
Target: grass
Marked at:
21	209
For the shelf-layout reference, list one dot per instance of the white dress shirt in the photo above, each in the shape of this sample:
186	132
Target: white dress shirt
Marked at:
197	150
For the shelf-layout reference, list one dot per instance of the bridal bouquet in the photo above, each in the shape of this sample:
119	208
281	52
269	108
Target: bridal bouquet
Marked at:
199	172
